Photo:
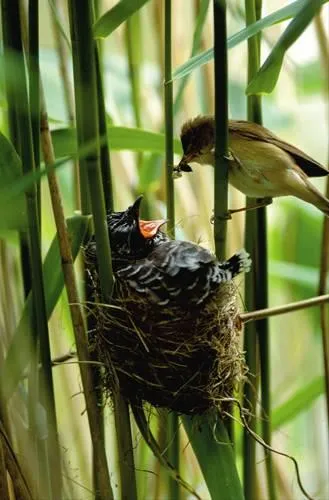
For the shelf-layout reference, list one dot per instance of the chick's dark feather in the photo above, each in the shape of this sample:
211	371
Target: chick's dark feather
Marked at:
162	270
180	272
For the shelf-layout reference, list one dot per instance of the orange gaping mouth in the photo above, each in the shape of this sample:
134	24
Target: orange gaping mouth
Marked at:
149	228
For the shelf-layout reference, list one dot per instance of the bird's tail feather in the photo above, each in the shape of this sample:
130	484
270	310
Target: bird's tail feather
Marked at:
301	187
318	199
239	262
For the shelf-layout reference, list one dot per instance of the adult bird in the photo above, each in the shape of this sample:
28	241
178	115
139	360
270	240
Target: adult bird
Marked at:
261	165
161	270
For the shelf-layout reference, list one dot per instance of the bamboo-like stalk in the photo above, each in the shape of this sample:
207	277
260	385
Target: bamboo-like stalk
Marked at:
102	128
4	493
62	52
11	19
133	46
324	264
286	308
251	287
103	482
221	119
169	119
87	106
133	25
258	280
20	486
34	91
172	420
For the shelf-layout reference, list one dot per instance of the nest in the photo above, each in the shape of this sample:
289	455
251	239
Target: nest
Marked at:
185	359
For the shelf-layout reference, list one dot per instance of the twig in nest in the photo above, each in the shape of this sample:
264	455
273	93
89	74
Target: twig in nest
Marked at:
268	447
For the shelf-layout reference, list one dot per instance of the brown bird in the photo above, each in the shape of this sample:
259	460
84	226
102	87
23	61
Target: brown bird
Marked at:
261	164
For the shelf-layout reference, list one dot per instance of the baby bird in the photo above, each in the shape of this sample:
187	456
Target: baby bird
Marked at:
164	271
262	165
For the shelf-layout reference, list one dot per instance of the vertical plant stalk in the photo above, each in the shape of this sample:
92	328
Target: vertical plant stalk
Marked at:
133	32
133	45
172	420
87	106
257	336
62	52
11	19
201	8
20	486
76	314
221	128
34	79
105	158
324	264
169	118
251	239
221	138
4	493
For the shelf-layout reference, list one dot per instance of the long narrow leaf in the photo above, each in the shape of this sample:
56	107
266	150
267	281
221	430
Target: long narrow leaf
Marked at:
300	401
120	138
276	17
265	80
116	16
216	459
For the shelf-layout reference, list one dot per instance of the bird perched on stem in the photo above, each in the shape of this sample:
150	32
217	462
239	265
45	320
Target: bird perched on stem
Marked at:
162	270
261	165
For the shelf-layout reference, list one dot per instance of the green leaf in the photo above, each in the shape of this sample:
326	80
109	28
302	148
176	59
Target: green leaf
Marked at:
215	457
307	276
266	78
276	17
299	402
21	345
13	215
120	138
106	24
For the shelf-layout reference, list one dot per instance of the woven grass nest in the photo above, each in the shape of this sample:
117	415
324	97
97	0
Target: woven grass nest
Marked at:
185	360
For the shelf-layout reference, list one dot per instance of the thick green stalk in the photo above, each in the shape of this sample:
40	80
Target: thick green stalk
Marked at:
221	119
133	44
257	290
169	119
102	124
34	90
87	106
251	239
62	49
221	137
172	420
16	68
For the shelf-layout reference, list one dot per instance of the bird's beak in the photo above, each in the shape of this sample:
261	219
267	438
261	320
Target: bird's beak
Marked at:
135	207
149	228
184	163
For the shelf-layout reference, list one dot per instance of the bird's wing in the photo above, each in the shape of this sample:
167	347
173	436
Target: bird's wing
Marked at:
253	131
175	272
